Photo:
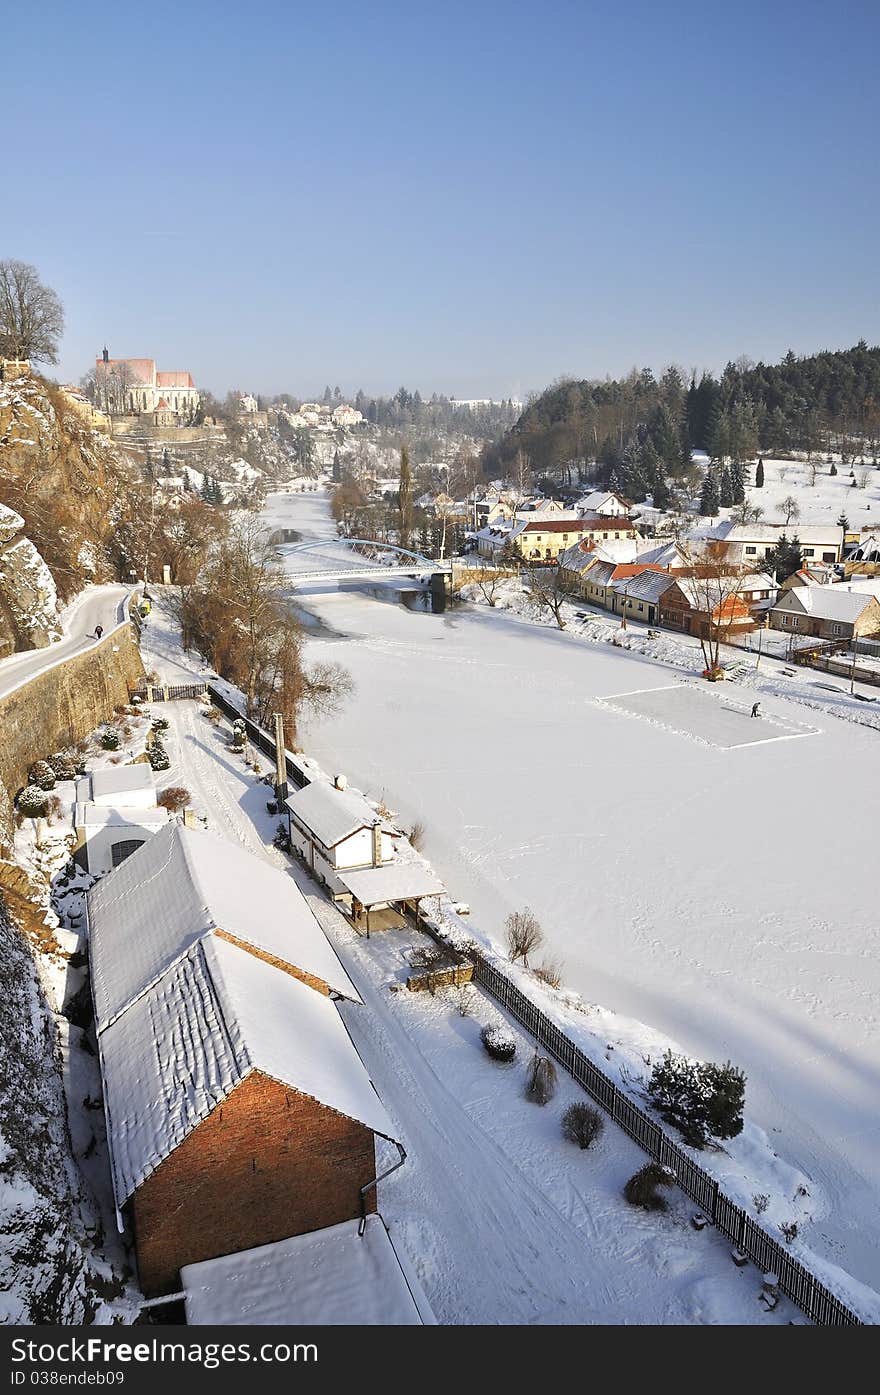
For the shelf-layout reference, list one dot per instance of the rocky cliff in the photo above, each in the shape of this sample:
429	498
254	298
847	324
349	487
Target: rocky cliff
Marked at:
52	1269
28	598
64	479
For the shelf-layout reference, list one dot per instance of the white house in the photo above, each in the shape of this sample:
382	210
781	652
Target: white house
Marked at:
603	503
345	415
748	543
115	814
334	830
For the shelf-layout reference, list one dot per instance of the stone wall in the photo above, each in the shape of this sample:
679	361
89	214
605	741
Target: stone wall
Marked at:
60	706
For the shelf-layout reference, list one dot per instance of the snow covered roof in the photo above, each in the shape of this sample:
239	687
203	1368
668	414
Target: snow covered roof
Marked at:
330	813
826	602
394	881
668	554
331	1277
217	1015
121	779
104	815
181	886
771	532
579	557
644	586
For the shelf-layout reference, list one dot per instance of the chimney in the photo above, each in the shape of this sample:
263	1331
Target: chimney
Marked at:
340	782
106	355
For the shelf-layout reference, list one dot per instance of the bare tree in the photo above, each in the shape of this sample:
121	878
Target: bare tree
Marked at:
813	467
521	481
791	508
715	591
31	314
524	934
747	513
547	594
487	581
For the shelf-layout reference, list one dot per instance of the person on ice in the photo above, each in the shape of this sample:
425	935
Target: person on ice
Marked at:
755	712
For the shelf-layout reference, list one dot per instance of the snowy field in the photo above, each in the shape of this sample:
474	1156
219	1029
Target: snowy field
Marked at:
821	497
725	896
706	716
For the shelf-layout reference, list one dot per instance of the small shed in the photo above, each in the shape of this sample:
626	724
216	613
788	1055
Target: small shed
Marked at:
334	828
378	898
333	1277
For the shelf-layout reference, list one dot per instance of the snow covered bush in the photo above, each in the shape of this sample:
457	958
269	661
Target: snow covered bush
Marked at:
42	774
524	934
641	1189
549	973
32	802
701	1099
158	756
65	764
541	1079
582	1124
161	724
499	1041
110	739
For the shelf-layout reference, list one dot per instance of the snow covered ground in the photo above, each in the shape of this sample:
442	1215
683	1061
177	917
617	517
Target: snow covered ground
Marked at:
725	896
502	1219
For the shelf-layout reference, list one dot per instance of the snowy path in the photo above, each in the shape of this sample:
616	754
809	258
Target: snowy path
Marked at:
503	1221
96	605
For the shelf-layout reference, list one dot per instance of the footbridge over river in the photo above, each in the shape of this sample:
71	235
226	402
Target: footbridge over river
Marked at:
354	559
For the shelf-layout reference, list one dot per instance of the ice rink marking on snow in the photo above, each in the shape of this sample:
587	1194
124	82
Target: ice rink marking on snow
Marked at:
690	711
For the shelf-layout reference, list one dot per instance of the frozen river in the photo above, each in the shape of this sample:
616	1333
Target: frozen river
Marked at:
725	893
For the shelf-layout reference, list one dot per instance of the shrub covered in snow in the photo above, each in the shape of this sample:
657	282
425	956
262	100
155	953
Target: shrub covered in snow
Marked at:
582	1124
42	774
158	756
541	1079
641	1189
110	739
161	724
66	764
499	1041
701	1099
32	802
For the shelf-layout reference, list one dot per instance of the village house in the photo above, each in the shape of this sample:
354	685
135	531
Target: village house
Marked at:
351	850
238	1110
745	544
820	574
826	612
599	581
706	607
603	503
134	386
542	540
345	415
115	812
638	596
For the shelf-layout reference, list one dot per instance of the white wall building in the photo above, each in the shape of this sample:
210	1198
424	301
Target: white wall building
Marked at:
114	815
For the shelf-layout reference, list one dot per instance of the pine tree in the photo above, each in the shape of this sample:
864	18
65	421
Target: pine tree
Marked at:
709	497
737	482
759	474
833	470
660	493
726	494
795	558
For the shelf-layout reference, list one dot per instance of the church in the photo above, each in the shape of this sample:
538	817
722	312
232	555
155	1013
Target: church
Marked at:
134	387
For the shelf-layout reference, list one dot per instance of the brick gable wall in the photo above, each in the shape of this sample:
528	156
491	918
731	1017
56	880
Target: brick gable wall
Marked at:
266	1164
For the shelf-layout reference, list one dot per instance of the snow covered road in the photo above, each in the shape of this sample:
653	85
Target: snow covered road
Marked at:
96	605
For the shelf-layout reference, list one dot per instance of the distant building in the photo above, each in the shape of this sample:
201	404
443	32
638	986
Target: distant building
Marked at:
605	503
247	402
344	415
135	387
749	543
826	612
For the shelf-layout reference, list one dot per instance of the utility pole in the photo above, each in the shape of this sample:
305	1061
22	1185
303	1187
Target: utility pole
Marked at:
280	761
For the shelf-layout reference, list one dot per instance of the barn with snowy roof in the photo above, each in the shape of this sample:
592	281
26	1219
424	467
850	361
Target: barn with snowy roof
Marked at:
238	1110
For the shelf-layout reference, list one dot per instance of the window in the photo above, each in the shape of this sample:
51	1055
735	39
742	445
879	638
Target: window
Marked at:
751	549
641	607
829	556
120	851
807	551
795	622
785	620
837	629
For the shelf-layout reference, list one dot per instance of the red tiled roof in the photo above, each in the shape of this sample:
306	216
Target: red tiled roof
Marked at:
606	523
142	370
634	569
174	380
559	525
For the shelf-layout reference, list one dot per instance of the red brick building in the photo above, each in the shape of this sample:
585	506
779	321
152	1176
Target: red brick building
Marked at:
238	1110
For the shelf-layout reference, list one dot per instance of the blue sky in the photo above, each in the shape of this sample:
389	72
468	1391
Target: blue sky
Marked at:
470	198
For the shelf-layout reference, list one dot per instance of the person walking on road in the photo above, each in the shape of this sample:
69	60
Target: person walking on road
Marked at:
755	712
99	630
